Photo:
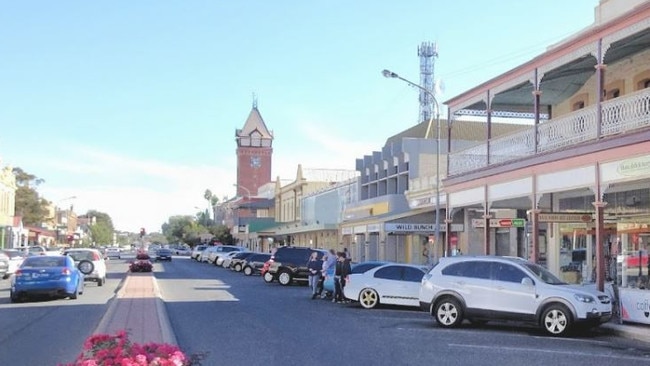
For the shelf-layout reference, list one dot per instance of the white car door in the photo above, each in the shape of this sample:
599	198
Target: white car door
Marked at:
388	284
510	295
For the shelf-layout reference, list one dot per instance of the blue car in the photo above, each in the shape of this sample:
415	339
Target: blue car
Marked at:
47	275
328	281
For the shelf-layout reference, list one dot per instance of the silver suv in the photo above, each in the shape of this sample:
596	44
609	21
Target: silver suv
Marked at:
506	288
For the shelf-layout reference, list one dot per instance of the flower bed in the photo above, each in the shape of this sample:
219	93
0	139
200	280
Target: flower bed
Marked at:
142	263
141	266
117	349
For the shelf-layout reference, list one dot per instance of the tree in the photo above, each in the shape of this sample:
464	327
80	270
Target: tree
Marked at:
208	197
101	230
222	234
32	208
183	228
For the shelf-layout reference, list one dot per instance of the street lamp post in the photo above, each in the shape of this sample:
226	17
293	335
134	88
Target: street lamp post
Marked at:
434	101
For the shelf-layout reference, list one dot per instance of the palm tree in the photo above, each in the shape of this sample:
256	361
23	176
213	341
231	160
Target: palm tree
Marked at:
208	197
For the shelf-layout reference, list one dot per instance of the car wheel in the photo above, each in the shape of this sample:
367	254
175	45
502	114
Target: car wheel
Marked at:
368	298
86	267
101	281
448	312
74	295
284	278
556	320
268	278
237	267
248	271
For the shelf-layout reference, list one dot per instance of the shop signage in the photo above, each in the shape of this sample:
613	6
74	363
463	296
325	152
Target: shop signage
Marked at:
635	305
564	217
360	229
346	231
634	167
478	223
411	228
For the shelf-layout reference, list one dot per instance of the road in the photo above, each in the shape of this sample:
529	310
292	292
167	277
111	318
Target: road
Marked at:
242	320
235	320
45	332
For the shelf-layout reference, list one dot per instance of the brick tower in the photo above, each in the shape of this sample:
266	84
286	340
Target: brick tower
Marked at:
254	154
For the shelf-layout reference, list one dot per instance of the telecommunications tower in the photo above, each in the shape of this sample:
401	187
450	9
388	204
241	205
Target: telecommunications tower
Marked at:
428	53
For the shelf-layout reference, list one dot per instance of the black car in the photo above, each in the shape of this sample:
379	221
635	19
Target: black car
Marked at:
237	261
164	254
290	264
253	264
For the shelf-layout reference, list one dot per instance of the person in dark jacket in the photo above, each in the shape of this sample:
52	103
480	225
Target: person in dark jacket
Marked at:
342	271
315	265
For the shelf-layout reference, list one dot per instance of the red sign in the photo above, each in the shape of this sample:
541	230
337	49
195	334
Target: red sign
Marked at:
505	223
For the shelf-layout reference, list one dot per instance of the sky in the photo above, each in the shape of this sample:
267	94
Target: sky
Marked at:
130	107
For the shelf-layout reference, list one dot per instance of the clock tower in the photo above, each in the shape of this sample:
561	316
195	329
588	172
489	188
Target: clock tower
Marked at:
254	153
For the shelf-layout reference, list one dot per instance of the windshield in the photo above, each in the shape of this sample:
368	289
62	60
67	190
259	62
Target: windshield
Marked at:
543	274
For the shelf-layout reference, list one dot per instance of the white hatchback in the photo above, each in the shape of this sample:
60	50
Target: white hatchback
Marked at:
486	288
92	261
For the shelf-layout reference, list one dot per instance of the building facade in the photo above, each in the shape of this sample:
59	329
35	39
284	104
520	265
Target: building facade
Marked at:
578	177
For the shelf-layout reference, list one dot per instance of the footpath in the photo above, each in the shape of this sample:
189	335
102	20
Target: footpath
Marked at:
139	309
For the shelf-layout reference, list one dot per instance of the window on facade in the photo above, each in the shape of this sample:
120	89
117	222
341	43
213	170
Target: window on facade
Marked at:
578	105
646	84
614	93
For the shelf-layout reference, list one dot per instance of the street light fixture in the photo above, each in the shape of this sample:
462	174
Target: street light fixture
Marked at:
390	74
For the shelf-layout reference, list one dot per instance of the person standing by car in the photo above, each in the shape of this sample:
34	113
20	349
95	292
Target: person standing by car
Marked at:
343	269
314	266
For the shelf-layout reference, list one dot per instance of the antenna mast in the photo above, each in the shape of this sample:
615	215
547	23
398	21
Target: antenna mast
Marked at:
428	52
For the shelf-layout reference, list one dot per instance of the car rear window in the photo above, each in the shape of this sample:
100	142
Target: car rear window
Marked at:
80	255
43	261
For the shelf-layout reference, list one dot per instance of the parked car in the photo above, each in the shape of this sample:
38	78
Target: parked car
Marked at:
328	281
15	259
196	252
289	264
90	262
390	284
164	254
218	253
228	258
33	250
253	264
47	275
4	265
113	252
236	262
486	288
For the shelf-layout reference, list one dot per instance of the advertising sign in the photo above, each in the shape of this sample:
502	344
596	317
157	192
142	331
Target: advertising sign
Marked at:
477	223
635	305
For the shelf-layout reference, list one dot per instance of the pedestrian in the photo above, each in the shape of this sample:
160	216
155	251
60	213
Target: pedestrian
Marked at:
341	273
314	266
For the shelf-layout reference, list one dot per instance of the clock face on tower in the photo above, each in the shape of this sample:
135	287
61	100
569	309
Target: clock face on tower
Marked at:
256	162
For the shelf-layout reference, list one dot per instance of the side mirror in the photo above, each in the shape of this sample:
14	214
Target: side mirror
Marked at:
526	281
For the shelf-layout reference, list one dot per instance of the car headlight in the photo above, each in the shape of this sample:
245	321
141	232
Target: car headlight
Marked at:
584	298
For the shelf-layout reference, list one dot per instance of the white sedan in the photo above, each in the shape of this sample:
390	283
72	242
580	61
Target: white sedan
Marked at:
390	284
